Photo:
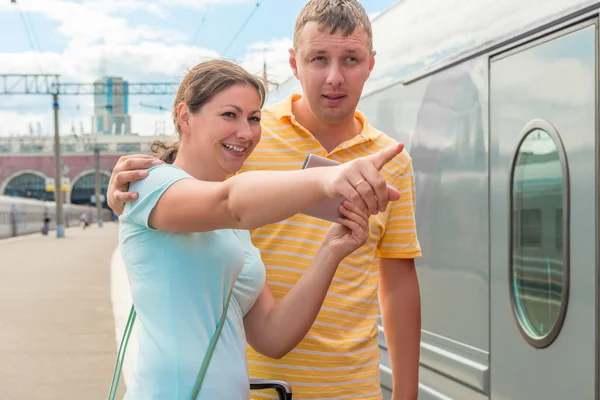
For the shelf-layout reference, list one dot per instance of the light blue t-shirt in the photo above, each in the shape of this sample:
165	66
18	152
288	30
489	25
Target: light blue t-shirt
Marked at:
179	285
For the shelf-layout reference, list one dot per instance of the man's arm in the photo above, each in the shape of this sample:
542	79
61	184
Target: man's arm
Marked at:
400	302
399	294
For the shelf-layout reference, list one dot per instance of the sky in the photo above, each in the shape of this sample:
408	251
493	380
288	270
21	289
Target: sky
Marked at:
139	40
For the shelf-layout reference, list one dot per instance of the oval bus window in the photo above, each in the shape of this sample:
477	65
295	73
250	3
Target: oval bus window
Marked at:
539	271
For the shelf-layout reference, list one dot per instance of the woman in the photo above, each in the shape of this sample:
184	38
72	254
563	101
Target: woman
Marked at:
185	242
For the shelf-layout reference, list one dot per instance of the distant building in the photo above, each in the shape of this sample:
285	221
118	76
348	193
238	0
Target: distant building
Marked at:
111	107
27	163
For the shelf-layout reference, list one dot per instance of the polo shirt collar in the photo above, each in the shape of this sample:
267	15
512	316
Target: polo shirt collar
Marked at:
284	109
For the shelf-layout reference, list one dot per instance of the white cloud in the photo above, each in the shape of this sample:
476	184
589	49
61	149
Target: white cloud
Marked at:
103	6
200	3
276	55
102	42
161	63
91	22
16	123
146	62
115	6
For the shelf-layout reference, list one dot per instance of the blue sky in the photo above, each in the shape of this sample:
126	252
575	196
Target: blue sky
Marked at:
141	40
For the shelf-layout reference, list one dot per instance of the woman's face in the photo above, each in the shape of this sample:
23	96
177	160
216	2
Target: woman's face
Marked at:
225	130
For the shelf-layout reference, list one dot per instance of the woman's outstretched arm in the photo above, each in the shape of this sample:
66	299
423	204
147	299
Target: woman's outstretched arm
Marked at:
257	198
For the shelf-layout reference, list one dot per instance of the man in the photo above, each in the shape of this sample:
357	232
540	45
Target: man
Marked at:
46	225
332	57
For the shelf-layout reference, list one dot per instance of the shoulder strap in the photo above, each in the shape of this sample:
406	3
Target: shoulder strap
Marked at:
211	349
114	384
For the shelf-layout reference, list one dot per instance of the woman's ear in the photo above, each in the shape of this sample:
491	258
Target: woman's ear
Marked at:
183	116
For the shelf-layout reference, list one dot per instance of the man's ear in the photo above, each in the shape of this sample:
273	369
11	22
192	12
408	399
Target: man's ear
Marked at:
293	62
371	63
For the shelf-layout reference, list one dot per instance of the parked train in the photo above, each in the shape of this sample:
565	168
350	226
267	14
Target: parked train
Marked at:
497	104
21	216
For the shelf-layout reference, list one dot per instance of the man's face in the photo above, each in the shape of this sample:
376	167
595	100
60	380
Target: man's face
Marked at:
332	70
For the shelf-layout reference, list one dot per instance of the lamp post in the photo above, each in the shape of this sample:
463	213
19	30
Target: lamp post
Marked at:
98	187
58	197
92	143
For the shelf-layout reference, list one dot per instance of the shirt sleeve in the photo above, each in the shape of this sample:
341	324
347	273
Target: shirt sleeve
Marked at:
400	237
150	189
251	280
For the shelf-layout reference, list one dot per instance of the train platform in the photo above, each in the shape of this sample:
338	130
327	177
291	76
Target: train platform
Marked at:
57	322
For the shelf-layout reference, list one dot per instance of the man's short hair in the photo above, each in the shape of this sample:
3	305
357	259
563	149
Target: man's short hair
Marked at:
345	15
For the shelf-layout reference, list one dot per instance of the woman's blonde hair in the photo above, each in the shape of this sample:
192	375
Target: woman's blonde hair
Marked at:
198	87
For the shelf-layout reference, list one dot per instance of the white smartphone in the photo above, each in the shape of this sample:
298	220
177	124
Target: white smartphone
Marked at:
328	209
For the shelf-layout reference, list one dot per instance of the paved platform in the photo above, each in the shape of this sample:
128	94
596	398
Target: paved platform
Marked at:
57	329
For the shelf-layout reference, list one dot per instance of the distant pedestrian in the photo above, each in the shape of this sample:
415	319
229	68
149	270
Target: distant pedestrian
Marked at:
46	226
84	220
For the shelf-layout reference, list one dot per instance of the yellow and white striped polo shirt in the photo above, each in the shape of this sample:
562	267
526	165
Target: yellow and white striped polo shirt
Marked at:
339	357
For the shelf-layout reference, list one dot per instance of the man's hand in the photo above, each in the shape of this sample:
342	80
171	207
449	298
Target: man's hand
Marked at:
128	169
350	233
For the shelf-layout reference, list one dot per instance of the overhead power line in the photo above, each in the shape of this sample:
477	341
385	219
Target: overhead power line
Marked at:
195	37
200	26
258	3
32	38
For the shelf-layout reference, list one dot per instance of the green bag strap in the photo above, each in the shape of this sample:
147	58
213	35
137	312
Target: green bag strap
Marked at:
211	349
121	356
114	384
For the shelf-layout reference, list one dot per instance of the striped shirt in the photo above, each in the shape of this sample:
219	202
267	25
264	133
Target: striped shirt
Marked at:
339	357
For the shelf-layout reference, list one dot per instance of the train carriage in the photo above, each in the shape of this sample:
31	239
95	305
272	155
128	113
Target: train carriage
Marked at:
21	216
497	103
